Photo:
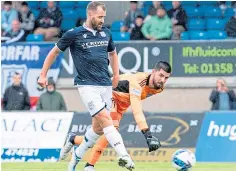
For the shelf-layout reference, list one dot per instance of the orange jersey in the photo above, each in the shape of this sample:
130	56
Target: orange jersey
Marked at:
133	88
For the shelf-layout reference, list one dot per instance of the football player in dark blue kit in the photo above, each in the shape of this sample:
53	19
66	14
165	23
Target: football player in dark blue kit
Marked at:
90	46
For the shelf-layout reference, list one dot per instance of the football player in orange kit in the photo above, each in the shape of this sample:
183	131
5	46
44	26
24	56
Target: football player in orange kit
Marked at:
132	88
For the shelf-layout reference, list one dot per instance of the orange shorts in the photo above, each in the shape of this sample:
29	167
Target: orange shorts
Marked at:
117	111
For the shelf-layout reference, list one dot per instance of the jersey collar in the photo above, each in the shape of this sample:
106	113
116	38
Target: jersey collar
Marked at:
89	29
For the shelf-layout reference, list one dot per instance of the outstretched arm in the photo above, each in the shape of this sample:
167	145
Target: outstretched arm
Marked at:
64	42
42	81
49	60
136	105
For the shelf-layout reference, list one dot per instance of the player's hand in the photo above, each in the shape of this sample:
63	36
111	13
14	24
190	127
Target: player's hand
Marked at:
42	81
153	142
115	81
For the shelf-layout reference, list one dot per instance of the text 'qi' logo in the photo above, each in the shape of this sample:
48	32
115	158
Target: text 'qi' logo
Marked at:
222	131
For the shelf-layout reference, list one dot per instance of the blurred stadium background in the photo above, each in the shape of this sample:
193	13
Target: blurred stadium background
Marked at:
186	115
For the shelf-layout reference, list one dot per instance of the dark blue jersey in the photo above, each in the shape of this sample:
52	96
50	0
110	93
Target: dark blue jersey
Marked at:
89	50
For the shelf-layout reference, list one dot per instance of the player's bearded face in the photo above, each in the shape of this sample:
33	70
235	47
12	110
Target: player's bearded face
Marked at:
157	83
160	78
96	23
97	19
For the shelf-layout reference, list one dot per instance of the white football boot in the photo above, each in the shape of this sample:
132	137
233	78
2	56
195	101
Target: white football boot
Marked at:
74	160
66	148
126	161
89	168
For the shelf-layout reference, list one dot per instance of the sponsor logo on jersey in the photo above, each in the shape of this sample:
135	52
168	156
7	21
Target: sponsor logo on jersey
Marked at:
88	45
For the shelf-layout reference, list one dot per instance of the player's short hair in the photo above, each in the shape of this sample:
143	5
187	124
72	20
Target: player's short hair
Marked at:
163	65
92	6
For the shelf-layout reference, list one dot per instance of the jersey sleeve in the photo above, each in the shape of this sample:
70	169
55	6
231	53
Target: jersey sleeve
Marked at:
135	91
66	40
111	45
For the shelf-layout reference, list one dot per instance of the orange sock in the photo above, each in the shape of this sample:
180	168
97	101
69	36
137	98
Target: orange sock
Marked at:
98	149
78	139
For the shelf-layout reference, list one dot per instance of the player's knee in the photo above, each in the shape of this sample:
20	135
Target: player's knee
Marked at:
104	118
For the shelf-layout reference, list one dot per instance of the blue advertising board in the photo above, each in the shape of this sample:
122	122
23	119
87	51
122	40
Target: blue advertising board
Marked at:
217	139
27	59
29	155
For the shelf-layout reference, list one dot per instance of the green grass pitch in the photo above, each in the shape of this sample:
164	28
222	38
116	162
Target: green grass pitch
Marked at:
112	166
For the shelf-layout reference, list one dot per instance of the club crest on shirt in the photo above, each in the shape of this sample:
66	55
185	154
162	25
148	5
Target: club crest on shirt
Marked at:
102	33
85	35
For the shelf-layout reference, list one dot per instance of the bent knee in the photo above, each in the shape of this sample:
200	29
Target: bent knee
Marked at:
103	115
104	118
